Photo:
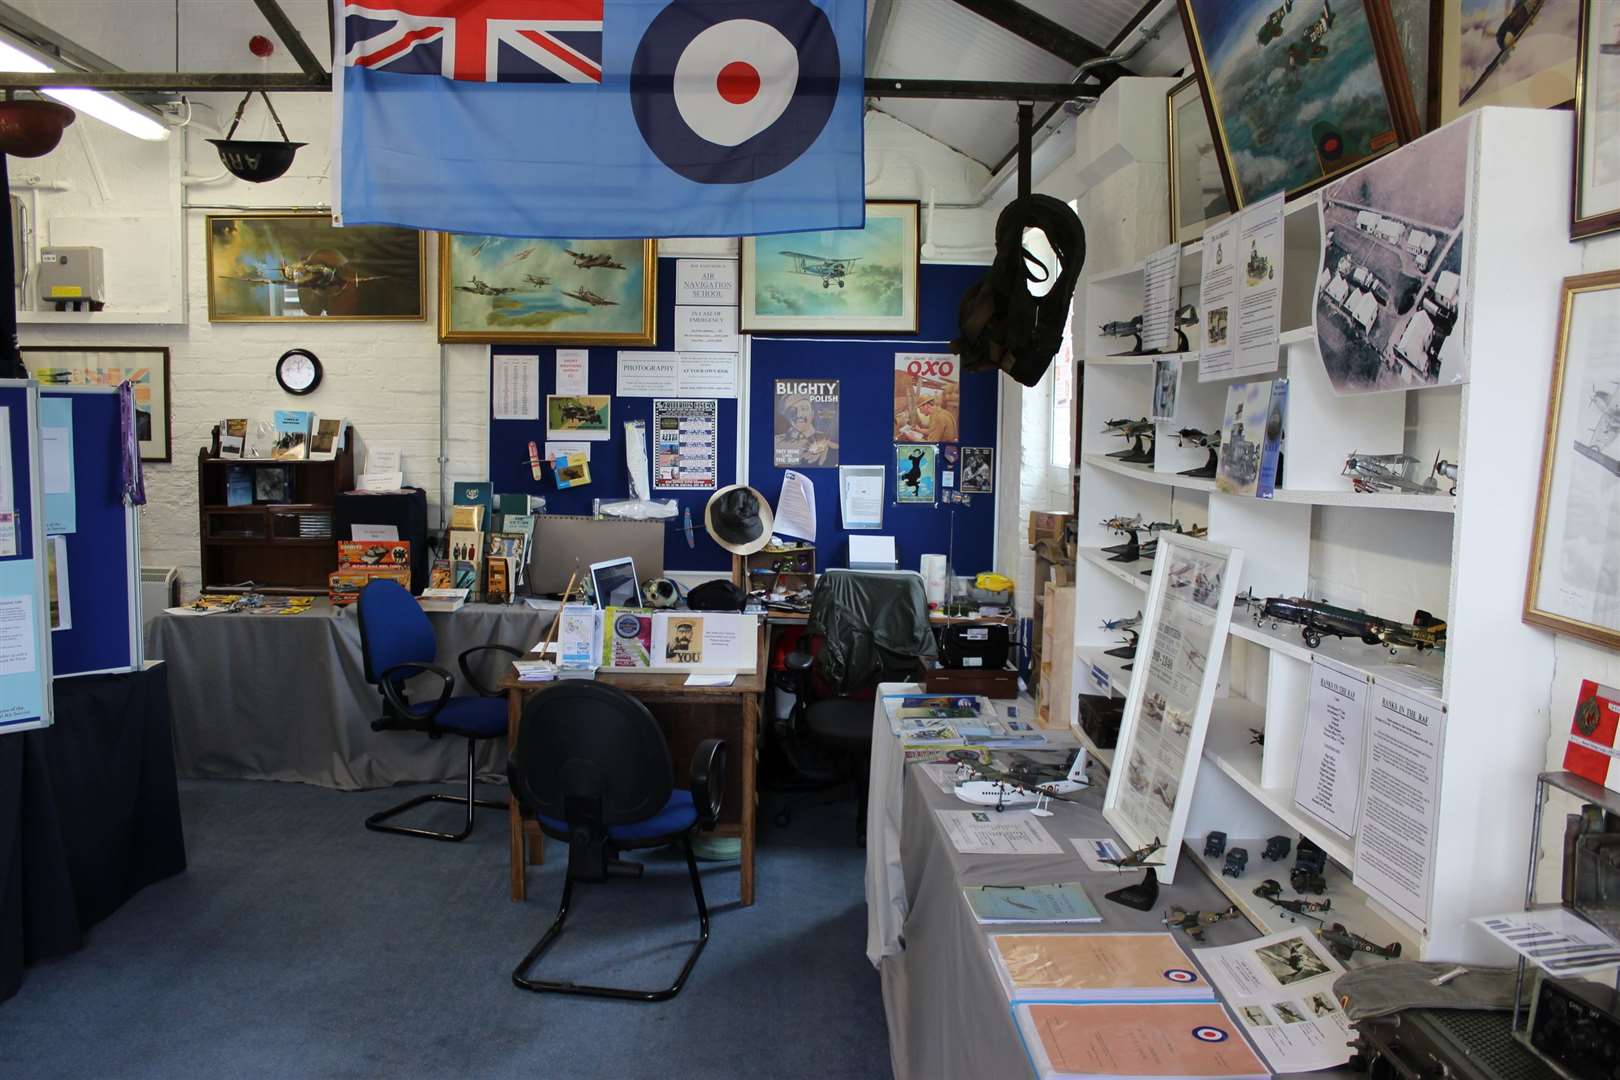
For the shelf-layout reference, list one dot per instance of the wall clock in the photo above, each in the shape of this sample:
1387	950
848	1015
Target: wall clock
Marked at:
298	371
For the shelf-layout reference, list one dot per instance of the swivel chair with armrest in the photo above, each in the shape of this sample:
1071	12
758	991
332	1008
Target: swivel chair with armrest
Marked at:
396	642
865	628
591	766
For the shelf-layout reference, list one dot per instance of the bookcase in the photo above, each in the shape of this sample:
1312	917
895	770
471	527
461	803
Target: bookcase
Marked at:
1461	557
285	543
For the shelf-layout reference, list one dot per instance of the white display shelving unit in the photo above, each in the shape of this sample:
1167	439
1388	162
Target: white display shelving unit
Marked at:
1462	558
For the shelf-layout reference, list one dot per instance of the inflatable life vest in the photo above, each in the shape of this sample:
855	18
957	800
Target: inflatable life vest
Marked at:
1002	324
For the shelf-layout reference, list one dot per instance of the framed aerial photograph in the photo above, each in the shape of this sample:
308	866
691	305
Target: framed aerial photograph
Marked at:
1296	93
146	367
1574	580
840	281
1595	207
1507	52
1198	193
281	267
496	289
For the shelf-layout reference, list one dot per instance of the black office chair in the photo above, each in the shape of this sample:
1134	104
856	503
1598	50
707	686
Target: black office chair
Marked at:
592	767
396	642
864	629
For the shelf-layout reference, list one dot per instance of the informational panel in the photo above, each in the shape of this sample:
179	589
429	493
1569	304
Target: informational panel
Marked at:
25	654
1178	662
1327	785
1394	859
93	583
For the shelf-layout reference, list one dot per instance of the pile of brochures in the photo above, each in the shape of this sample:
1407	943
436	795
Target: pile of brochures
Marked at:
945	720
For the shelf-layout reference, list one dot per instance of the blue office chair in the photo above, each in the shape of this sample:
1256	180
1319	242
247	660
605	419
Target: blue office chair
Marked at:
396	641
592	767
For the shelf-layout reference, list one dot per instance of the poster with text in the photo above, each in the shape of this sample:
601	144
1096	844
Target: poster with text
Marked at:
914	473
927	398
805	432
978	470
686	443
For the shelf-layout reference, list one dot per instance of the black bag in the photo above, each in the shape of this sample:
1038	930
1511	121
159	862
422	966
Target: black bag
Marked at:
717	595
1002	325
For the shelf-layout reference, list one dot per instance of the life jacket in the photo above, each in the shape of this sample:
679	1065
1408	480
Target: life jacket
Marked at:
1002	324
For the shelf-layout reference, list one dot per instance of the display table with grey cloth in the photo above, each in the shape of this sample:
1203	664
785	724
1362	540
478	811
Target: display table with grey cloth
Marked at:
285	697
947	1013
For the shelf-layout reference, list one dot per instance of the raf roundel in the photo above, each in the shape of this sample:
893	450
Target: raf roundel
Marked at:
1209	1034
1180	975
733	100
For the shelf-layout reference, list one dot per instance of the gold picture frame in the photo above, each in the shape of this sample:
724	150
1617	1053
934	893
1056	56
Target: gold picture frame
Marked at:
1539	73
502	290
145	367
1573	585
836	281
1179	133
1594	205
298	267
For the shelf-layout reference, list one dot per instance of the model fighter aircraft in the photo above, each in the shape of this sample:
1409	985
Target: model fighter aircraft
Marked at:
594	261
1386	472
830	271
1139	857
588	297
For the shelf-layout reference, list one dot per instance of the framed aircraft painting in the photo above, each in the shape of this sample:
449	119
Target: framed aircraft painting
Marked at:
497	289
841	281
281	267
1198	192
144	367
1574	582
1595	207
1507	52
1297	92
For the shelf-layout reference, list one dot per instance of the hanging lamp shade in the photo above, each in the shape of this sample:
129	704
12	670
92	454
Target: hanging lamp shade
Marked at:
256	160
30	128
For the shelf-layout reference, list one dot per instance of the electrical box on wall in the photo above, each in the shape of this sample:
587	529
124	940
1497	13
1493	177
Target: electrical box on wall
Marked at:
71	277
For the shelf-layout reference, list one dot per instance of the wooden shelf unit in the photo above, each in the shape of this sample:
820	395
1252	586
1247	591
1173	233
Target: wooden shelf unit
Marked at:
266	543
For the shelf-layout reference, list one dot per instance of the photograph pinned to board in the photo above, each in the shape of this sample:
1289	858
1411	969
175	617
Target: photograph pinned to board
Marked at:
281	267
1198	191
950	464
1243	428
1166	389
914	473
1574	579
686	434
805	426
1596	207
837	281
58	592
579	417
1161	737
927	397
1297	92
144	367
572	470
978	470
495	289
1393	288
1517	53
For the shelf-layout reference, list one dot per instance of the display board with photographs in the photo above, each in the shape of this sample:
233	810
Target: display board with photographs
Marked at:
835	281
1394	287
805	426
277	267
1519	52
1161	738
1596	205
1574	579
1297	93
590	292
144	367
1198	191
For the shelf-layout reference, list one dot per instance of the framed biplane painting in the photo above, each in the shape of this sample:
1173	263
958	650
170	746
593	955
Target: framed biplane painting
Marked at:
144	367
840	281
1298	93
495	289
1574	580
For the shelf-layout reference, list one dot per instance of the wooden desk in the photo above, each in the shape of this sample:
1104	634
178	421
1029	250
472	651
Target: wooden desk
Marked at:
659	688
935	619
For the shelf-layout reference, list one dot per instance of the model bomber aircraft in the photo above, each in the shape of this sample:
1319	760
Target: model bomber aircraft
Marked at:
588	297
1023	781
479	287
1317	620
594	261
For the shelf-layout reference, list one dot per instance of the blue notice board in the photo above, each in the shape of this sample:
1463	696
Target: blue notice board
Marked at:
25	656
98	600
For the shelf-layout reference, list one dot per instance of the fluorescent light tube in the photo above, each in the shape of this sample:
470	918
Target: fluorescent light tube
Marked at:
108	110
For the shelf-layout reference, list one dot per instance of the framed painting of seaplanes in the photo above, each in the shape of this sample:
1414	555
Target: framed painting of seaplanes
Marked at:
496	289
839	281
1297	93
1595	207
1574	581
146	367
1507	52
279	267
1198	193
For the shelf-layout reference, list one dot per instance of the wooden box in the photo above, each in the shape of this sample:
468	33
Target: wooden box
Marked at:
999	683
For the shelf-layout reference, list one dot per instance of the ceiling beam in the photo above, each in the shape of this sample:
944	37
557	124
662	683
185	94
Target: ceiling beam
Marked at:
50	42
290	37
1037	29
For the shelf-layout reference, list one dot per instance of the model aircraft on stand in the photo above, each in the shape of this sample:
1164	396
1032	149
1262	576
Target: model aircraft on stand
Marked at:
1317	620
1023	781
1270	890
1342	943
1386	472
1194	923
1137	431
1120	328
1132	629
1210	442
1139	857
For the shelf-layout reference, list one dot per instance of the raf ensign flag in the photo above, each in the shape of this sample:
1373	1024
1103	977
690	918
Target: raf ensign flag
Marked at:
601	118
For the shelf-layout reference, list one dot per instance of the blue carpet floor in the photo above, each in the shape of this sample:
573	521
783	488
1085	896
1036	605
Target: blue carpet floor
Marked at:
298	944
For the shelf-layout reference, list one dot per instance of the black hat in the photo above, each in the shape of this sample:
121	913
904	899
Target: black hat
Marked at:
739	519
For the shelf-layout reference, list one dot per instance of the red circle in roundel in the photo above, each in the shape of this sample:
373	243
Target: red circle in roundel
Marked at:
738	82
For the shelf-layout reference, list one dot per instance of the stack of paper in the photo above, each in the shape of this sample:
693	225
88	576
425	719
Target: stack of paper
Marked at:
1156	1042
534	670
1146	967
1062	903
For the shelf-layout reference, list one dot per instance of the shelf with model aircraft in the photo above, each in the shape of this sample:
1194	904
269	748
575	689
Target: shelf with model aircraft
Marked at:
1323	558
